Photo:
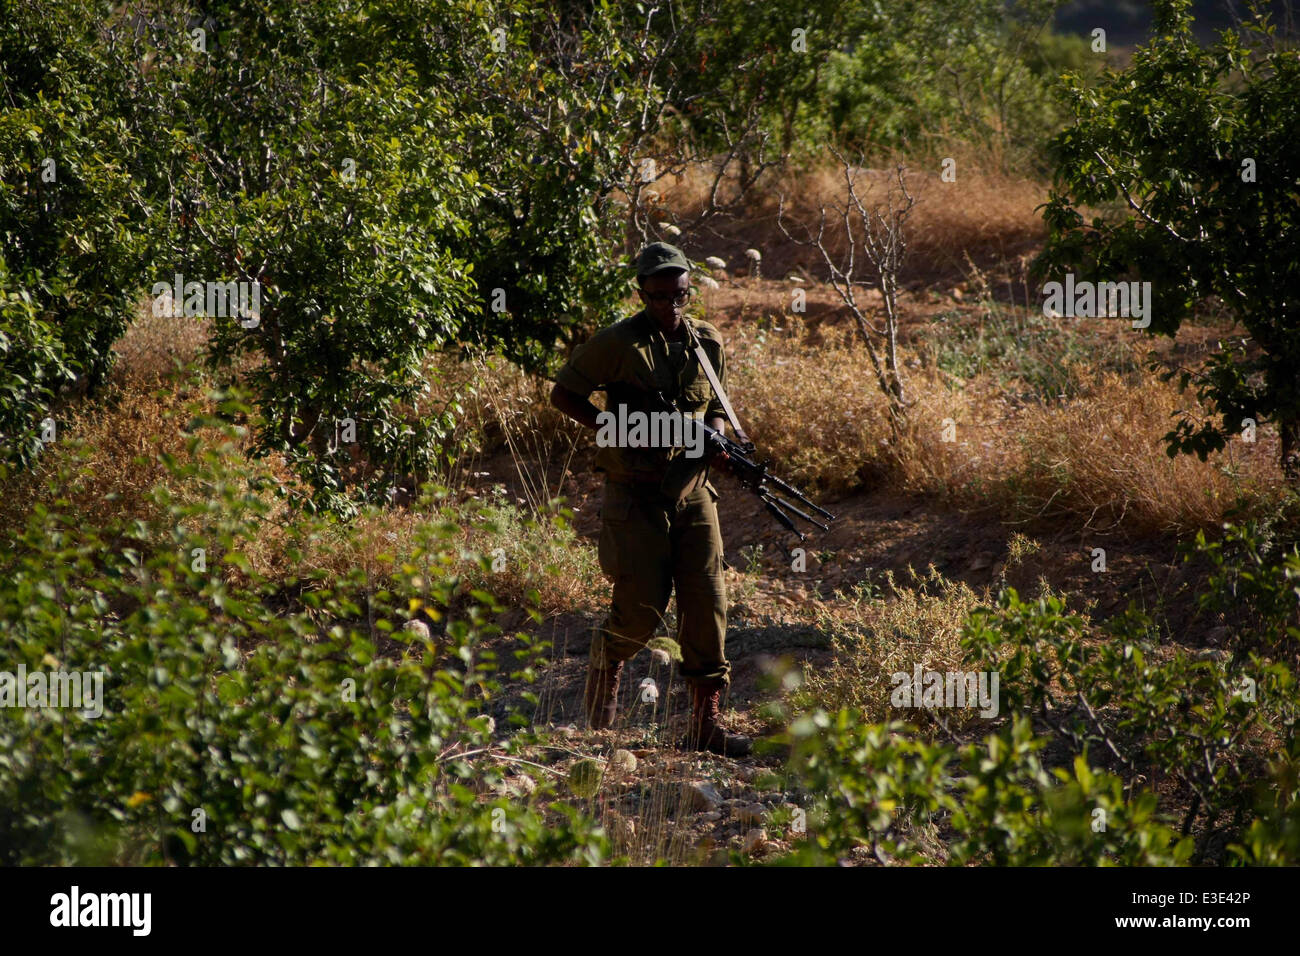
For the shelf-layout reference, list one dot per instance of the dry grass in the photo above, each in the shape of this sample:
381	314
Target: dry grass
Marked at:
1097	457
877	635
1111	443
106	458
106	461
109	461
156	348
820	414
533	562
985	214
1094	460
505	408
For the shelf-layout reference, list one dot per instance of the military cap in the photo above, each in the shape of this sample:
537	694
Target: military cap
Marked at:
659	256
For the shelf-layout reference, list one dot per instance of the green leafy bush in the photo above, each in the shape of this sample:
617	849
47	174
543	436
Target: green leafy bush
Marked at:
1153	754
245	723
913	801
71	215
1188	157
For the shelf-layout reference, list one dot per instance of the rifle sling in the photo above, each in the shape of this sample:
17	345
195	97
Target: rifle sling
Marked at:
718	390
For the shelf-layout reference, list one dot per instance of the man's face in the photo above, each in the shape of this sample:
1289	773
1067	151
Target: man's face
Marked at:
665	296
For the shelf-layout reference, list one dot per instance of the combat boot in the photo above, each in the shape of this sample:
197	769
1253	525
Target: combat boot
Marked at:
704	732
600	702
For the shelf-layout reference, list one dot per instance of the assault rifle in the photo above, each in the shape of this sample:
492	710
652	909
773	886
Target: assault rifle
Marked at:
752	475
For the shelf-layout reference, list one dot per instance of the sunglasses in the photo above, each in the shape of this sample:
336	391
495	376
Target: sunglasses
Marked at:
680	297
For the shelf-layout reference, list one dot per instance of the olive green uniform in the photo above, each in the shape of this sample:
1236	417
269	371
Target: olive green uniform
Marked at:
649	541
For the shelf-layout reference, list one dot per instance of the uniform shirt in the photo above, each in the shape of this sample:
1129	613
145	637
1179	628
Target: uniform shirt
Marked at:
632	356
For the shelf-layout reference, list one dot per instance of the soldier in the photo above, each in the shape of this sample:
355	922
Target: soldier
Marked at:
657	531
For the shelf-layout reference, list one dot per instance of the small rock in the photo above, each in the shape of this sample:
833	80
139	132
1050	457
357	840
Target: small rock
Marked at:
1218	635
701	795
519	786
622	762
981	561
748	814
417	628
712	816
754	839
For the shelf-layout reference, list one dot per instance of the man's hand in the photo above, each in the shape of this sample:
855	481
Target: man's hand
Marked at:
719	425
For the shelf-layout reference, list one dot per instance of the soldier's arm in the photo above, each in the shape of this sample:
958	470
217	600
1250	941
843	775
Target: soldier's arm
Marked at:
576	406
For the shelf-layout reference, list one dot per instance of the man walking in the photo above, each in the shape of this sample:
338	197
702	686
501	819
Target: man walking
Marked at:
657	533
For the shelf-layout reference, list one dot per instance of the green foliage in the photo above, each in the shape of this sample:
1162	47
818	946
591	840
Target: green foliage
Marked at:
321	733
1170	140
347	197
71	214
923	73
1030	355
560	114
746	84
739	74
1141	735
881	787
396	177
1152	709
1273	837
1180	715
34	364
871	780
1255	583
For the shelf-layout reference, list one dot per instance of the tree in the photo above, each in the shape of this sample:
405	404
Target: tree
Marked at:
385	179
915	74
71	215
1199	145
873	232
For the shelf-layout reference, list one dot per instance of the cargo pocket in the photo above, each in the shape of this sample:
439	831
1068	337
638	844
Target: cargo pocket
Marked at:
698	394
614	512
